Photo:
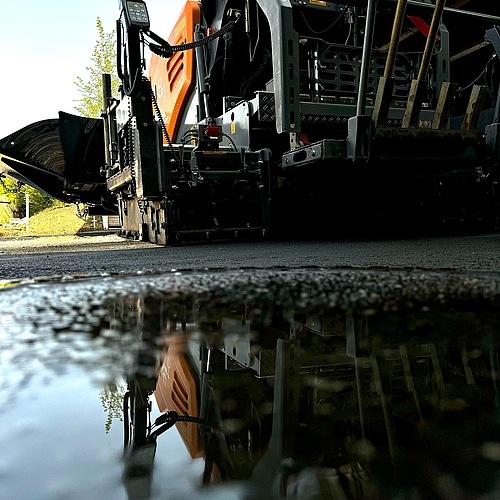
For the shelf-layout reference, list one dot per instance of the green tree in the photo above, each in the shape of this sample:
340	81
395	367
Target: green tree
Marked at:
103	61
17	197
112	402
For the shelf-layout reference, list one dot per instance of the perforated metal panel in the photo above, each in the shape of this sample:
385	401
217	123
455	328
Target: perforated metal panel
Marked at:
330	72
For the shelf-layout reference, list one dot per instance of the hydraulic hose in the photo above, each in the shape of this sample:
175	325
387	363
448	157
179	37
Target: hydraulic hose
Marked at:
169	419
163	49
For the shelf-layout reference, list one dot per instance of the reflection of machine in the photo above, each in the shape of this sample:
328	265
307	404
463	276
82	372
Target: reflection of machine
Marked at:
330	405
220	415
262	116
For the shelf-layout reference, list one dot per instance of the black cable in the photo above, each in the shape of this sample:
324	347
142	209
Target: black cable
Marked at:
191	139
126	89
208	39
193	134
246	84
460	90
329	27
231	141
126	420
164	49
489	77
118	49
228	50
169	419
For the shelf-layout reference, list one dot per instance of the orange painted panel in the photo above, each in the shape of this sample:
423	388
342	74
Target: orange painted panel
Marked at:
173	79
176	390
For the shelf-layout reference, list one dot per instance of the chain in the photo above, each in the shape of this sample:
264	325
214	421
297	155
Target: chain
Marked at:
84	214
19	185
162	123
142	204
130	147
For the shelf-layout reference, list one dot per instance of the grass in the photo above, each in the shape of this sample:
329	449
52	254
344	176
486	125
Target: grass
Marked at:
56	220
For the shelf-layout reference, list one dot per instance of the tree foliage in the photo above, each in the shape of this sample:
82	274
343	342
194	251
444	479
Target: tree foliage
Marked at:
112	403
17	197
103	61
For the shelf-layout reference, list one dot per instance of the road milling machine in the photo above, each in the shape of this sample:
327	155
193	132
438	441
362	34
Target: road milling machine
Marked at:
262	118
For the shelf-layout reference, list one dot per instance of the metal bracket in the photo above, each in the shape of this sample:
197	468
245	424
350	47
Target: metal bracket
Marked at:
322	150
359	137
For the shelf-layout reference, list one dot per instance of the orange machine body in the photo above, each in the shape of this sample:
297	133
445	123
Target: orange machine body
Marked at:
173	79
176	390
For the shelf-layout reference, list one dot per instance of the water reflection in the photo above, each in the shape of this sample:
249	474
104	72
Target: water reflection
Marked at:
315	402
296	383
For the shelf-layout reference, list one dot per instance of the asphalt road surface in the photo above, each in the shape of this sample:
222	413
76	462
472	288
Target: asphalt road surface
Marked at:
91	255
63	341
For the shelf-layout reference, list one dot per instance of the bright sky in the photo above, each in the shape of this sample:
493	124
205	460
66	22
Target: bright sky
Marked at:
45	45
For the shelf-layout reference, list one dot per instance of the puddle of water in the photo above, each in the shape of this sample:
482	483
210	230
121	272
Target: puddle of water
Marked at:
363	384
